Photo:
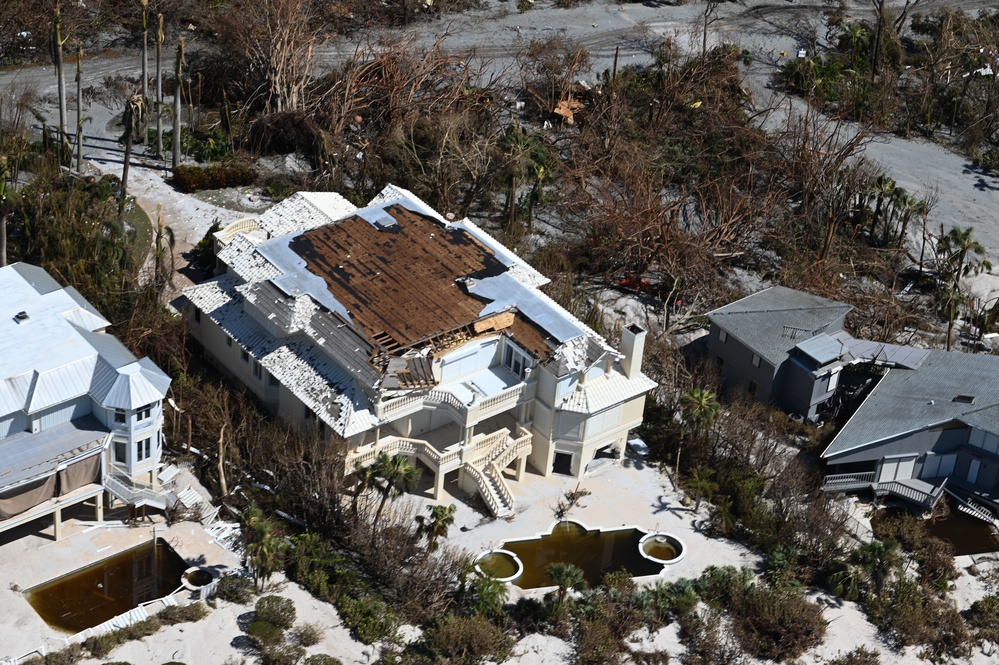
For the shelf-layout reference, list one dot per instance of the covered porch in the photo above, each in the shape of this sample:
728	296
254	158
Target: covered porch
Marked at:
48	471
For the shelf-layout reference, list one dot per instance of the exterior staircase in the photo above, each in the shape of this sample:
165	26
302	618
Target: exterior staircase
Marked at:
492	487
971	507
136	493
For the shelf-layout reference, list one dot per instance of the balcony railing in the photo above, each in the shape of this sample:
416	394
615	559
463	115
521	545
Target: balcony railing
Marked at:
137	493
843	482
925	499
435	459
463	413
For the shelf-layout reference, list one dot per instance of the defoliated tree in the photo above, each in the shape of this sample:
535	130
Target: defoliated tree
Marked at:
159	86
178	85
3	210
57	43
145	69
80	120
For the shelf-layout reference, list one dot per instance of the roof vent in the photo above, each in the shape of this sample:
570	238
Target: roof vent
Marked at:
21	316
965	399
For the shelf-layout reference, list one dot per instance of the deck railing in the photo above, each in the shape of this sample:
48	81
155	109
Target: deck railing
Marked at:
136	493
848	481
896	488
519	446
464	413
444	462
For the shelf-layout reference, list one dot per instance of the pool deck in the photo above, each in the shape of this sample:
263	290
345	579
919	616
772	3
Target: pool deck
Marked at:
29	555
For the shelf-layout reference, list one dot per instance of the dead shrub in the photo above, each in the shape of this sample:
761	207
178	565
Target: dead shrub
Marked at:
183	613
466	640
776	624
859	656
705	641
308	634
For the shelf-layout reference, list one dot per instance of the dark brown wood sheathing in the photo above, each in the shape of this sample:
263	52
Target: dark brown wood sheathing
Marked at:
399	282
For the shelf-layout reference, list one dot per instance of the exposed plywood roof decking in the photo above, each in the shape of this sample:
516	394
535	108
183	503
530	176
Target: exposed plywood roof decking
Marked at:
399	281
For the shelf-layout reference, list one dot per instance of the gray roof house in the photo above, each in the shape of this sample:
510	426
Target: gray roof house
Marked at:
79	414
407	333
924	431
777	344
930	424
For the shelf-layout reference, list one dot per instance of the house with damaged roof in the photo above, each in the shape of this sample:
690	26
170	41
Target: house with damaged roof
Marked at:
406	333
928	425
80	416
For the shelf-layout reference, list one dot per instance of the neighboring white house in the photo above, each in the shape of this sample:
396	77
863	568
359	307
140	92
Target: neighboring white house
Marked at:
79	414
408	334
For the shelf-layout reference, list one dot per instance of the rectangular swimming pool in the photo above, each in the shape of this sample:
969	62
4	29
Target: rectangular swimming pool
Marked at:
90	596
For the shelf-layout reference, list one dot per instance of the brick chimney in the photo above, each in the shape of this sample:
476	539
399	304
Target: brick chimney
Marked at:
633	348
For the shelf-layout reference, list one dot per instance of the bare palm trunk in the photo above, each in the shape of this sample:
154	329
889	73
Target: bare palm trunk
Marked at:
145	71
222	483
79	108
3	212
128	120
177	86
3	234
159	86
57	42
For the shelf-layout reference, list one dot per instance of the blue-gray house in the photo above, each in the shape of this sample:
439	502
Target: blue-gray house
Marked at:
929	425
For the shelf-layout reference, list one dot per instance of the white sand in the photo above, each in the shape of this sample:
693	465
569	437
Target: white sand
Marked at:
622	495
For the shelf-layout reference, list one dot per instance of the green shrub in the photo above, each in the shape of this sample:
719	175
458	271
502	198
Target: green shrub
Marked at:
264	634
235	589
308	634
282	654
183	613
280	187
189	179
276	610
910	614
322	659
369	618
203	145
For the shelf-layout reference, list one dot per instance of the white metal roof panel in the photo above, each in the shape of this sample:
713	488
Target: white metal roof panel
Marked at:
40	281
136	385
14	393
51	355
61	384
822	348
504	292
519	268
